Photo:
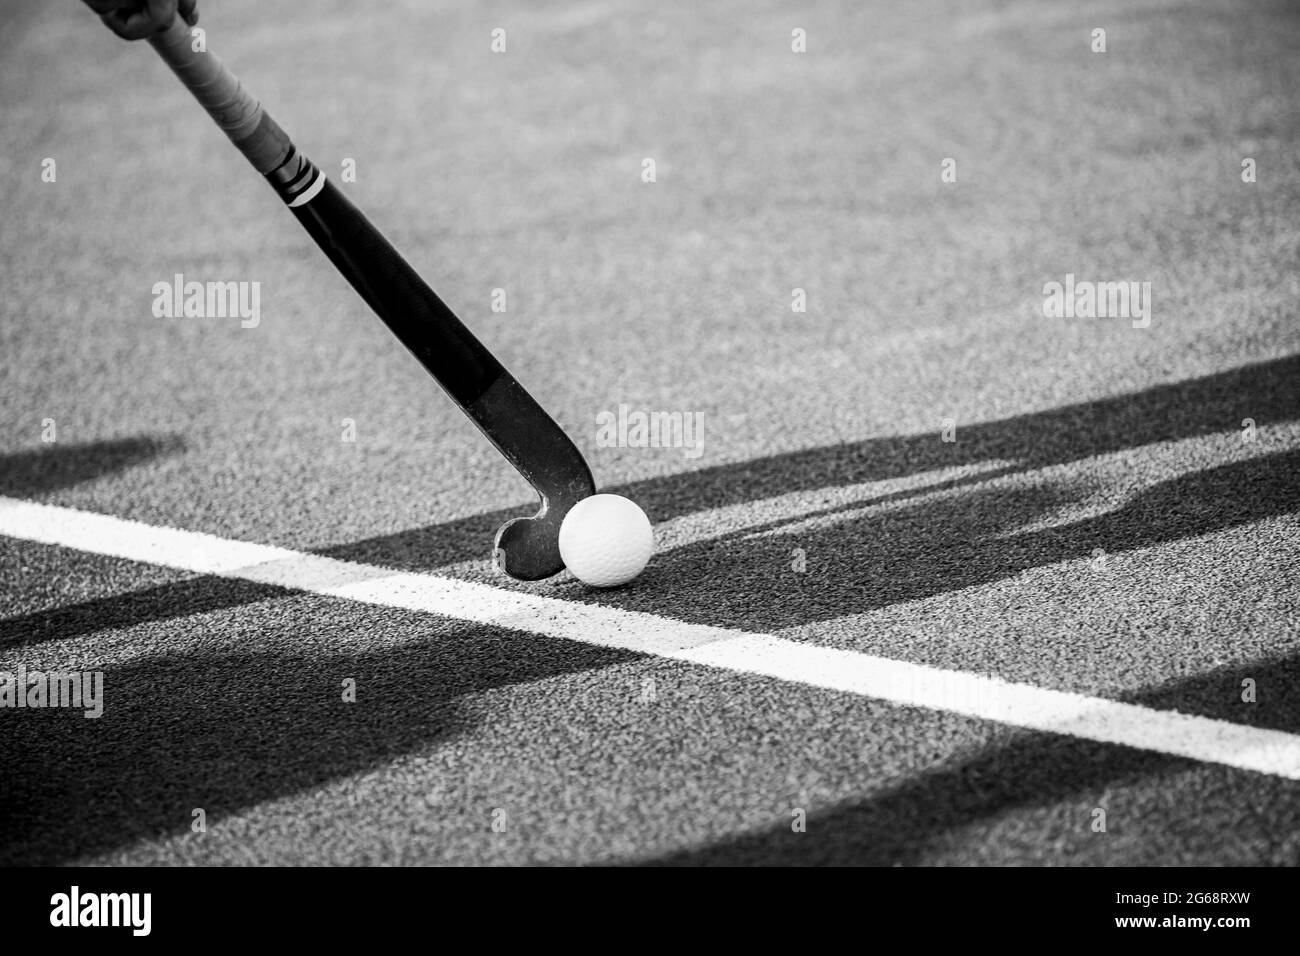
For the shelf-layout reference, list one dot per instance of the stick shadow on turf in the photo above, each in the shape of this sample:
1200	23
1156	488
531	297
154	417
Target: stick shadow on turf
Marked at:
26	474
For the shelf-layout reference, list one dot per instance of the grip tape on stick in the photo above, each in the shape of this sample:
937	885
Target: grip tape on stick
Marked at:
219	92
421	320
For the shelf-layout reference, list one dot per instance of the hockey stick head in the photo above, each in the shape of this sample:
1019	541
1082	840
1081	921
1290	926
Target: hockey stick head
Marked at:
528	548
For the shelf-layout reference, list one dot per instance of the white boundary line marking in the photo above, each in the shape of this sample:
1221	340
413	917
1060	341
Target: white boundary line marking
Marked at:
1034	708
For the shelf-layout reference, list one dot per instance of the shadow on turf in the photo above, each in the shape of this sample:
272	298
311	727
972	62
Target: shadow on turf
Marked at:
164	602
908	553
61	465
861	564
270	728
939	546
229	731
927	817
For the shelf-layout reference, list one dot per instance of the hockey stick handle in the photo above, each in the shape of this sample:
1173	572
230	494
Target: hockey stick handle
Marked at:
415	314
219	91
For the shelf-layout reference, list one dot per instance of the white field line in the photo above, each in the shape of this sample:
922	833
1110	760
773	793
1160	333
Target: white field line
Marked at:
1198	738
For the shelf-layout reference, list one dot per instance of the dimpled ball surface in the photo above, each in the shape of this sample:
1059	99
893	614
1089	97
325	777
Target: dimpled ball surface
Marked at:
606	540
